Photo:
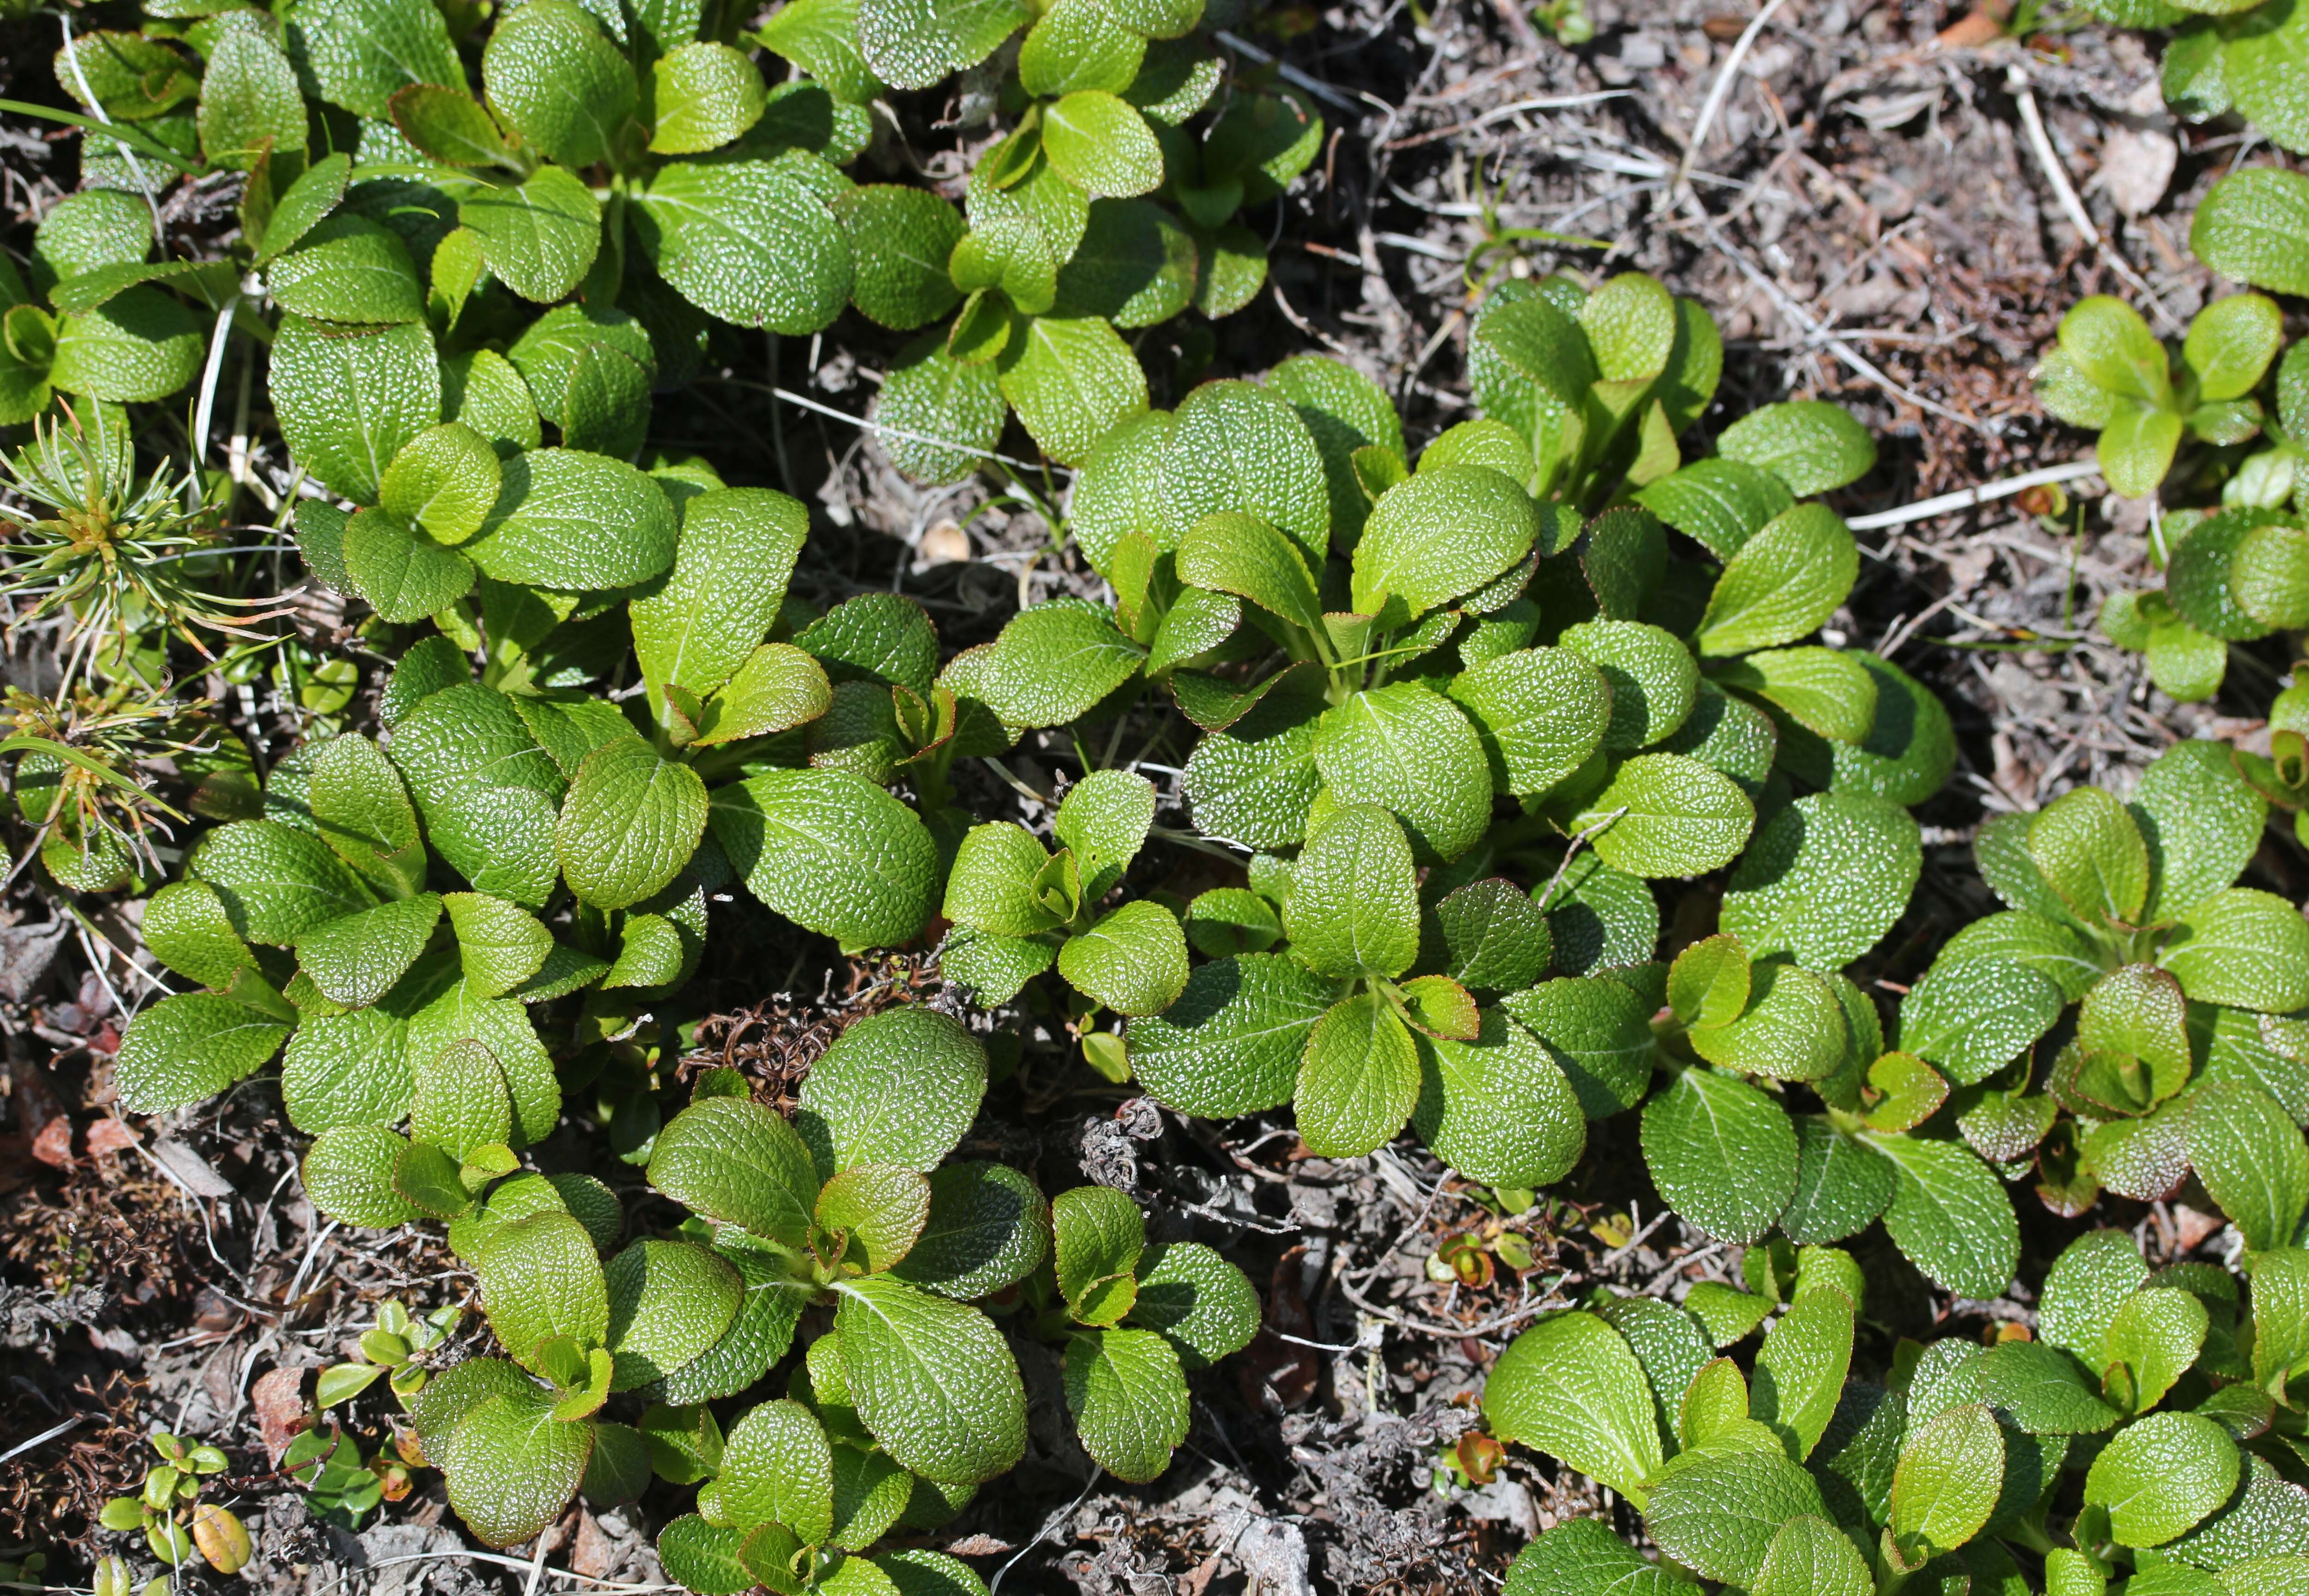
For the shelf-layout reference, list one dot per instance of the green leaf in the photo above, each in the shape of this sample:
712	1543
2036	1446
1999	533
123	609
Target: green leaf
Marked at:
501	945
912	43
540	1280
668	1302
347	1174
1540	712
2136	1014
1070	379
1825	879
1808	444
487	791
2112	348
2230	344
2251	227
1414	752
1240	448
573	520
989	1228
1132	960
1497	1109
2136	449
1599	1035
2200	822
1721	1153
2161	1475
1720	504
1099	1233
932	1379
705	1557
1104	820
137	346
1198	1301
1360	1079
553	77
1820	691
777	1467
1571	1388
740	1163
357	52
1233	1042
449	124
1442	533
1785	581
2244	948
1792	1029
347	270
1946	1485
901	238
1974	1018
249	103
1054	663
706	94
2044	1390
881	1210
512	1467
897	1088
1581	1556
1136	266
1800	1367
2150	1343
2093	1277
994	883
1906	754
1718	1509
1354	905
348	402
1129	1399
186	927
1101	146
1811	1557
404	575
1950	1215
830	851
937	416
191	1047
2092	854
354	959
1497	936
361	810
445	480
461	1102
85	233
1229	552
629	824
1078	45
2250	1157
1652	678
276	882
1664	814
821	37
751	242
1254	782
539	236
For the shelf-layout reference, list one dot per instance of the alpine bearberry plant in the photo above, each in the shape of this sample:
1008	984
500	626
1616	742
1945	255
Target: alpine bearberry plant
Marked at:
2142	1431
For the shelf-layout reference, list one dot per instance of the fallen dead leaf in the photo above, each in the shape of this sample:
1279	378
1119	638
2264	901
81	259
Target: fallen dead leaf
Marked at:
278	1401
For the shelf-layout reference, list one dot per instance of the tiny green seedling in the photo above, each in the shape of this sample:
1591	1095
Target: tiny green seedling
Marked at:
1136	1321
1018	908
2111	373
168	1510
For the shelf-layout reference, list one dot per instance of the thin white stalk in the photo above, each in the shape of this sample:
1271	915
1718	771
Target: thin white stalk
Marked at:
1717	93
1967	498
